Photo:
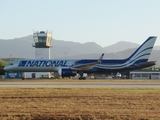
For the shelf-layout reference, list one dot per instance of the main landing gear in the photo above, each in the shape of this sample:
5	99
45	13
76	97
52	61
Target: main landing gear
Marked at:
81	76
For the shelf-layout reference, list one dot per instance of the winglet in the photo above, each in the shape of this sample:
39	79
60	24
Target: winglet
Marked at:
100	59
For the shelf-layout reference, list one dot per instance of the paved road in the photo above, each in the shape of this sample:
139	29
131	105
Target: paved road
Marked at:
82	84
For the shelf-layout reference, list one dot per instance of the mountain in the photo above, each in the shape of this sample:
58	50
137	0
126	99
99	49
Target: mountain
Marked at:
67	48
120	46
17	48
22	48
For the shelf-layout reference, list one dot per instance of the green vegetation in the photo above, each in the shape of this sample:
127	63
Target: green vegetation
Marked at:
3	63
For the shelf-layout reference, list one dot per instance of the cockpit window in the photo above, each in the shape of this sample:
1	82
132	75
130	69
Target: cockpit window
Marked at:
11	64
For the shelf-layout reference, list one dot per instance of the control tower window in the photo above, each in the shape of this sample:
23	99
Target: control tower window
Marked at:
48	40
42	39
35	39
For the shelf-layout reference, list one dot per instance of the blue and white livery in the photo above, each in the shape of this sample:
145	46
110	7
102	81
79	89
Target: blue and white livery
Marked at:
138	60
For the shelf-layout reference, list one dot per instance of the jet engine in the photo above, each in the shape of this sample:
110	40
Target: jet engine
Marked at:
64	72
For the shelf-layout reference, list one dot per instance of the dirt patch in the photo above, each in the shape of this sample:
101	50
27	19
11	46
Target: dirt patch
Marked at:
81	103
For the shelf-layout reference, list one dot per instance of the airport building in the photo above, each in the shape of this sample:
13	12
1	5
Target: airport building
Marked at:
145	75
42	44
13	75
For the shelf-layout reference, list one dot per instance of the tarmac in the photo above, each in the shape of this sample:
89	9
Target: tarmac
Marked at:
81	84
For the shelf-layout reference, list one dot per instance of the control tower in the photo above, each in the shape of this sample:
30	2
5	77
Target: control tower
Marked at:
42	44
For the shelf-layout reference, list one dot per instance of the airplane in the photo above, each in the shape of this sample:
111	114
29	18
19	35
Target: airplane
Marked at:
67	68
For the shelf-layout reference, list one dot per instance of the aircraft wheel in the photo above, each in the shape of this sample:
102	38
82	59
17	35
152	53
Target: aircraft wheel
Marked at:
84	78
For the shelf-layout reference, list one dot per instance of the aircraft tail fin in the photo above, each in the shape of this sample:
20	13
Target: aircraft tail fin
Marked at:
143	52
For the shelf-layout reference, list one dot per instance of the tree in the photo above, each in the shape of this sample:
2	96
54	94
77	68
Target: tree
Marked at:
3	63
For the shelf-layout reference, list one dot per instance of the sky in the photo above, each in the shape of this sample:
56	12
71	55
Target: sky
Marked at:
105	22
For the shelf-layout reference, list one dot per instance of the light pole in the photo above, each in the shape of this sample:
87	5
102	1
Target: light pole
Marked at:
10	58
65	54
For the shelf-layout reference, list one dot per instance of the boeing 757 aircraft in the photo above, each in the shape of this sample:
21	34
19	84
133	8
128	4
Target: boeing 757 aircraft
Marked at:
138	60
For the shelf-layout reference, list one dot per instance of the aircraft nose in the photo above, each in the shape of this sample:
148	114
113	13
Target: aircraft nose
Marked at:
5	68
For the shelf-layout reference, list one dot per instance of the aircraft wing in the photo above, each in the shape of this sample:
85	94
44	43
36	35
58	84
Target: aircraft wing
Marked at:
86	66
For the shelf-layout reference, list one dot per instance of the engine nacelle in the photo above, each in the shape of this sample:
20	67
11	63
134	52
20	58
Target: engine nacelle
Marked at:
64	72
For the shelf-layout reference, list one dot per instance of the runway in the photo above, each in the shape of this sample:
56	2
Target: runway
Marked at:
81	84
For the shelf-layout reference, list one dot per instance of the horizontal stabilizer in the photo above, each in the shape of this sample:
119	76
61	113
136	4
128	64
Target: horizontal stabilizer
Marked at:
146	64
